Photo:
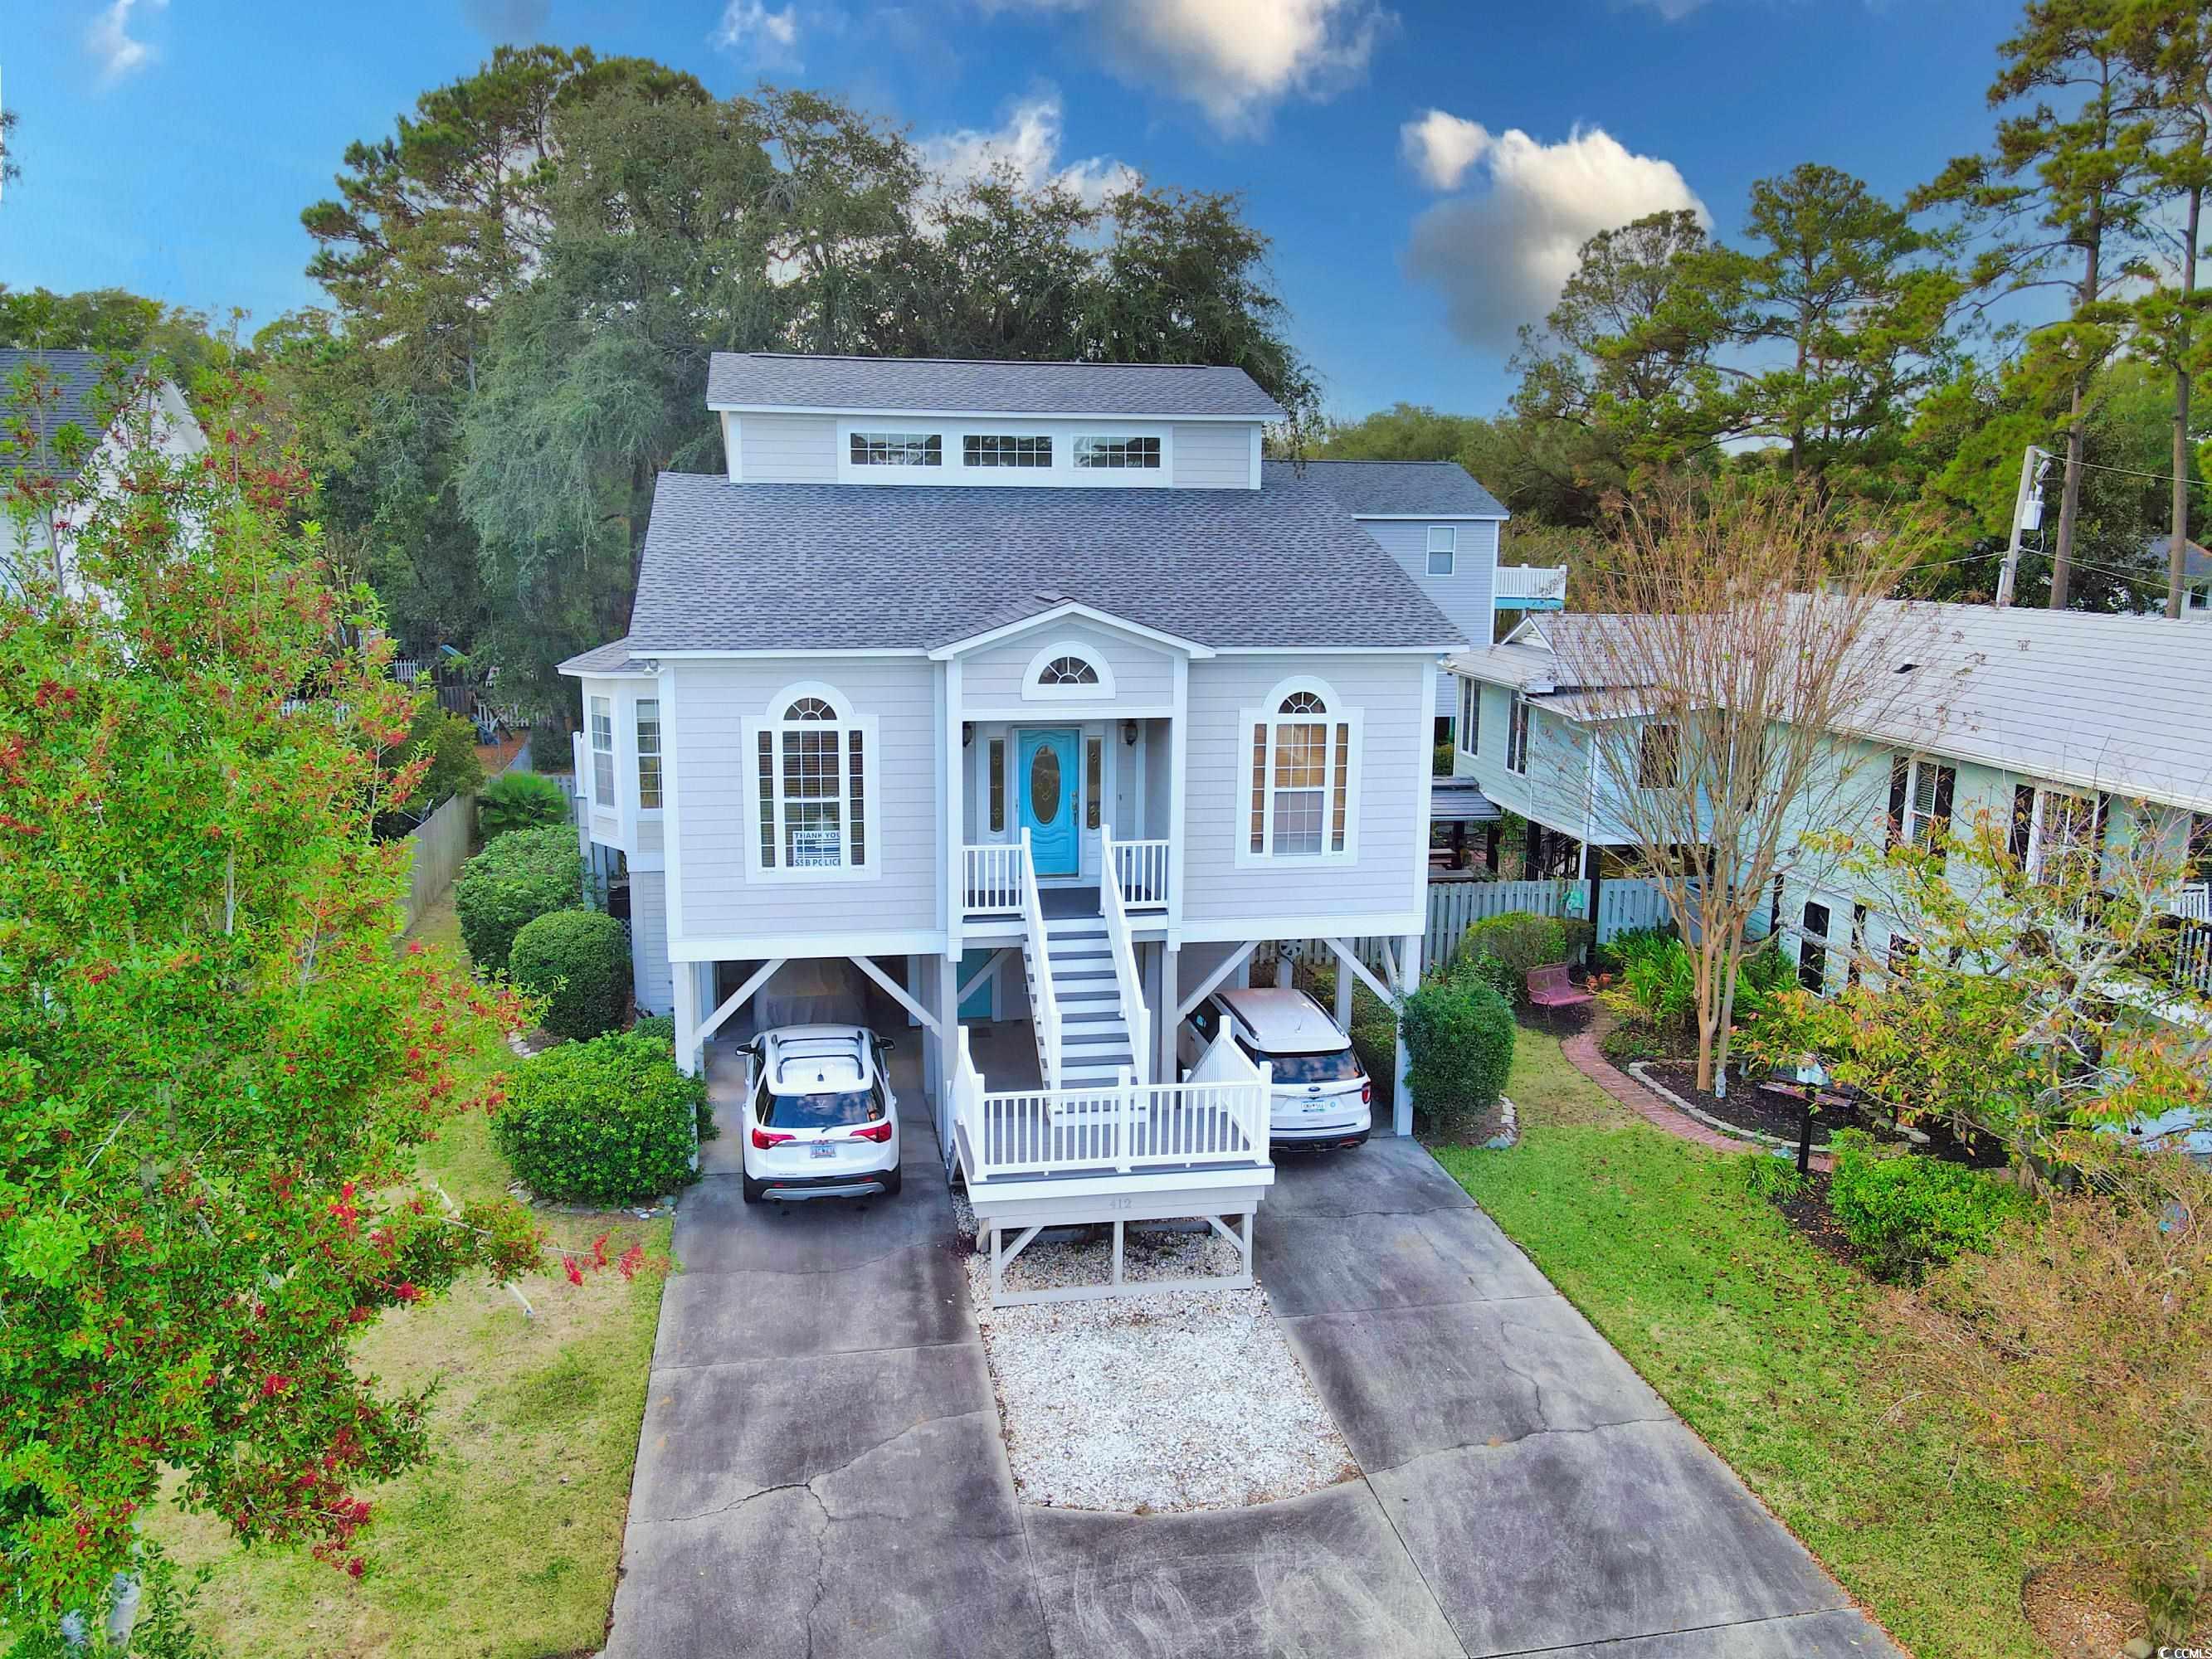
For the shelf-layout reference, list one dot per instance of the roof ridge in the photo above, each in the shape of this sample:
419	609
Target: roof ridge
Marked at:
973	363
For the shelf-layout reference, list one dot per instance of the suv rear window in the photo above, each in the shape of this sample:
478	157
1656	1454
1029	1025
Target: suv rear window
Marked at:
1338	1065
823	1111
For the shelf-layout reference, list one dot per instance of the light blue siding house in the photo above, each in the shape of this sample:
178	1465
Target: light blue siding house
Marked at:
1027	697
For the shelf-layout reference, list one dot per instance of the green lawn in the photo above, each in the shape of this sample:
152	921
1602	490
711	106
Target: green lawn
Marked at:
506	1542
1781	1357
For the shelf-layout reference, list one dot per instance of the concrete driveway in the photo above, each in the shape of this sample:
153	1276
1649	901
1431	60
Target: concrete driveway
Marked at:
820	1471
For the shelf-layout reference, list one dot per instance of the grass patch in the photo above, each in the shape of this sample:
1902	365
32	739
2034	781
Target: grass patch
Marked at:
1781	1356
504	1545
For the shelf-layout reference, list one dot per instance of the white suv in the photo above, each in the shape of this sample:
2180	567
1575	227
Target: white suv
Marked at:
1321	1097
821	1120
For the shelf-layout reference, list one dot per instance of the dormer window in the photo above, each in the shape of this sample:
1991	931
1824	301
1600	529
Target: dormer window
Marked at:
1005	449
1118	454
898	449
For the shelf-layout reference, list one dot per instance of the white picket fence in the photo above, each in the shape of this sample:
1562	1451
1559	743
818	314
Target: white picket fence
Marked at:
1455	906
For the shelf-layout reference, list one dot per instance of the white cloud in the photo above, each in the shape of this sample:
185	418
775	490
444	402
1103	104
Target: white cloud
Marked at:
510	21
1233	58
770	39
1673	11
1502	254
1028	147
110	41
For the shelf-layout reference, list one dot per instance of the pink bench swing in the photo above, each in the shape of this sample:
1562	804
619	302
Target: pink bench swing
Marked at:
1550	989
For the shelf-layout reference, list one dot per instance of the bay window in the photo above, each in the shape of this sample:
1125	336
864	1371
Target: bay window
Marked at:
648	754
603	751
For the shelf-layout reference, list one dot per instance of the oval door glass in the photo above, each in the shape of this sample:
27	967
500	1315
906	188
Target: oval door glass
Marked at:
1044	785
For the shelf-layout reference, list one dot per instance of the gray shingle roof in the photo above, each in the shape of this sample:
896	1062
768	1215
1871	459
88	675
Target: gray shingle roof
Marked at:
1442	489
749	380
2195	563
613	658
765	566
77	376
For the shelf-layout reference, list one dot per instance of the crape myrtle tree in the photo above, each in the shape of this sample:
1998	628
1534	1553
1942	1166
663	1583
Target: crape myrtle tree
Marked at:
1739	628
214	1064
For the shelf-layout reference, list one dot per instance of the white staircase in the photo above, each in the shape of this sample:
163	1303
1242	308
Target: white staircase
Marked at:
1094	1036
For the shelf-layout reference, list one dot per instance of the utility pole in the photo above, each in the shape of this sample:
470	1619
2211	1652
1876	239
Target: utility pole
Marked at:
2026	515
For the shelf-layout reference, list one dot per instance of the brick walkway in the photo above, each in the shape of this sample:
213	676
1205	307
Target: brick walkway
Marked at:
1582	1051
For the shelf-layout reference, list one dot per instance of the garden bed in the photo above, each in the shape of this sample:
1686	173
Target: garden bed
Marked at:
1750	1108
1806	1210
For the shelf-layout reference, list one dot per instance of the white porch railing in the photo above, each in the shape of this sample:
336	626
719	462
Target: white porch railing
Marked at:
1036	954
1220	1116
1134	1014
1544	583
2192	957
992	881
2193	903
1141	867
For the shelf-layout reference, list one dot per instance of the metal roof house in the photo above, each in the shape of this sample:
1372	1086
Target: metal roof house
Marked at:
1031	696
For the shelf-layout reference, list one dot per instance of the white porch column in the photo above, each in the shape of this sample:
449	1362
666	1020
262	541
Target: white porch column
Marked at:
1409	981
1167	962
918	980
1345	979
685	980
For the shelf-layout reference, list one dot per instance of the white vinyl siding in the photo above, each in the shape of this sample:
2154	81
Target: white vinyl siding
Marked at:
787	448
1214	457
651	980
1464	593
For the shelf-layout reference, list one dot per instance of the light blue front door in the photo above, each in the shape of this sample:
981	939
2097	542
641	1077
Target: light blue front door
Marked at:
1045	780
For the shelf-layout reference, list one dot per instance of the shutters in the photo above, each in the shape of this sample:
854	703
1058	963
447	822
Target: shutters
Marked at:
1946	781
2023	822
1900	778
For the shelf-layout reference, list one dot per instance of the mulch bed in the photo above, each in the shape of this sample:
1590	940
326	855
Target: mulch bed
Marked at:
2080	1610
1749	1107
1807	1211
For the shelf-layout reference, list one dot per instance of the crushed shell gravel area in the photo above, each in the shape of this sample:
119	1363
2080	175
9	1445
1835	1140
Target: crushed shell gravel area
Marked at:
1184	1399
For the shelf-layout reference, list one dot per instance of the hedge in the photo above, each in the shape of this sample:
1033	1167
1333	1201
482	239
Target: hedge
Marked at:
578	961
1459	1037
1518	941
516	879
610	1122
1904	1213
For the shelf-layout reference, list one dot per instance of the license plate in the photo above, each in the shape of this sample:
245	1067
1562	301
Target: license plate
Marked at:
822	1149
1313	1106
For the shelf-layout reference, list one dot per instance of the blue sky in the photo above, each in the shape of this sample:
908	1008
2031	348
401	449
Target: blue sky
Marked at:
168	145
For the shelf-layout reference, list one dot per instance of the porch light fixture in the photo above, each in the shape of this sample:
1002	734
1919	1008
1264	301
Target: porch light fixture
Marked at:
1129	732
967	733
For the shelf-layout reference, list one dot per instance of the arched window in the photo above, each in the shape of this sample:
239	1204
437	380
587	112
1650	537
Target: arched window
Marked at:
1068	668
1303	775
812	789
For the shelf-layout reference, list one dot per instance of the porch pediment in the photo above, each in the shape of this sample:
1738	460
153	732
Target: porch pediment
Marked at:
1044	613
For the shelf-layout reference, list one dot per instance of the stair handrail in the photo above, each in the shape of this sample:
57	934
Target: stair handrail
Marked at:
1115	909
1044	1001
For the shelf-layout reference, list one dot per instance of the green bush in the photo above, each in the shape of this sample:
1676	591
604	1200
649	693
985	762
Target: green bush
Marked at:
660	1026
519	800
514	880
578	961
608	1122
1441	763
1459	1047
1905	1213
551	750
1521	941
451	743
1767	1176
1493	972
1657	985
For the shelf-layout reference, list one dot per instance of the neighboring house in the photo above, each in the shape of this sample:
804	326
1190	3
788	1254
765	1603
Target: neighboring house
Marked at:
2195	574
1029	693
84	394
2064	725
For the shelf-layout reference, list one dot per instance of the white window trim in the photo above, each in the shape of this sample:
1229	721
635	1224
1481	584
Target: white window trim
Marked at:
591	716
659	755
1520	714
1470	719
2035	819
870	784
1335	713
1449	549
1033	692
1908	832
953	431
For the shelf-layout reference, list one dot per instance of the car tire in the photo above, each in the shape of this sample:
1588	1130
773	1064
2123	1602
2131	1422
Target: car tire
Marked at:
893	1181
754	1190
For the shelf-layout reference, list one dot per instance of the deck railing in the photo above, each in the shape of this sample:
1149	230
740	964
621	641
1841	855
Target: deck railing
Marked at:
1134	1014
1037	953
1220	1116
1141	867
1531	581
2192	957
993	879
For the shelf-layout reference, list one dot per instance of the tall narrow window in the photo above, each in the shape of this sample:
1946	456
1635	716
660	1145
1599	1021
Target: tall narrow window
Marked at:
811	774
1659	758
1470	717
2064	834
1920	795
1301	787
648	754
1516	737
603	751
1444	549
1812	949
1094	779
1858	944
995	758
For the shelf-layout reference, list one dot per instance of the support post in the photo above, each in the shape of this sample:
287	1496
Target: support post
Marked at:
686	986
1490	834
919	975
1282	967
1596	886
948	1048
1409	980
1167	966
1345	981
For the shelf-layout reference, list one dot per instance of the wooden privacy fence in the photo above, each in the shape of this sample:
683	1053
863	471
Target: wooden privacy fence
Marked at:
440	843
1454	906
